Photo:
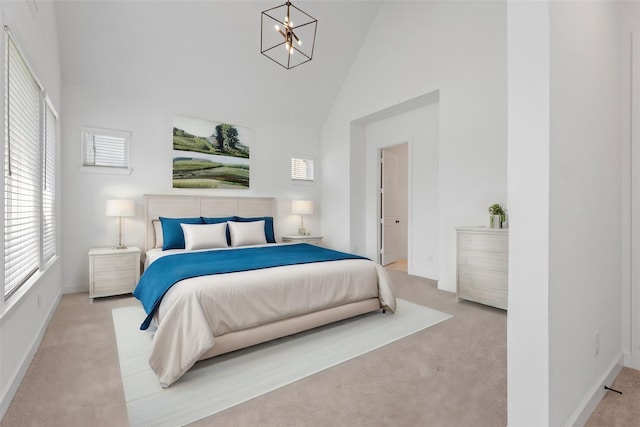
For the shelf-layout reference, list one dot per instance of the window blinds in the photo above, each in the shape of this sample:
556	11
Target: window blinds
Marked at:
105	148
22	171
302	169
49	186
30	173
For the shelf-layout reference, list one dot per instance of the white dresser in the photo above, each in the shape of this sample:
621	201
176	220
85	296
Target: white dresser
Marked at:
113	271
483	261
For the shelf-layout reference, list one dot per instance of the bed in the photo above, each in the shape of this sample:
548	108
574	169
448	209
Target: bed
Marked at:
200	302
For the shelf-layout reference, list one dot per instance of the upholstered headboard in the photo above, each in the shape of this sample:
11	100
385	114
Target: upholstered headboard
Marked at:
171	206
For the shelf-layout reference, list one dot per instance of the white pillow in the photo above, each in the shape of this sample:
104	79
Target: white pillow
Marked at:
157	228
247	233
204	236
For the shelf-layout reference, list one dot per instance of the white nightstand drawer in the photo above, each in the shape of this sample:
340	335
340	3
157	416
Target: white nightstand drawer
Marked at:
314	240
114	262
116	276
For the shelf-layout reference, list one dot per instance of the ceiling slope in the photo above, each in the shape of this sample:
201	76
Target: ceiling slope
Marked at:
153	48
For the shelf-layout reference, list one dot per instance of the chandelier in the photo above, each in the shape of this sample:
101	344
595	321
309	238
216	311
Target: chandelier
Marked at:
288	35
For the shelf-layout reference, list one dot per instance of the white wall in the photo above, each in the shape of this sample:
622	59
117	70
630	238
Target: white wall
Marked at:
528	183
24	317
458	48
585	204
564	186
150	121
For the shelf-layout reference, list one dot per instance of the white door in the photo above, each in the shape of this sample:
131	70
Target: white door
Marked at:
390	220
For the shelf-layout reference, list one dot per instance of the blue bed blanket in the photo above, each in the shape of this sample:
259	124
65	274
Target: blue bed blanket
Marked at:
163	273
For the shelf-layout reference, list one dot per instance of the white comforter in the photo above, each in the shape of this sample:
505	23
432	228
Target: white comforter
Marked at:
195	311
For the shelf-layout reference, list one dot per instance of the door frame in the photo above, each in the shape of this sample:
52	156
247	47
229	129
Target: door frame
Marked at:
631	313
379	212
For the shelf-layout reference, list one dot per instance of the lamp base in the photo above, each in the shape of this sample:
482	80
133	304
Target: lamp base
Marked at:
120	246
302	231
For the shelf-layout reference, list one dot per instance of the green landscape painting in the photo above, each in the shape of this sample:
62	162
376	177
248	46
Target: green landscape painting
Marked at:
209	154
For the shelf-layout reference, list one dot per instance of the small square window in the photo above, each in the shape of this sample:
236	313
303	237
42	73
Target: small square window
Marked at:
106	150
302	169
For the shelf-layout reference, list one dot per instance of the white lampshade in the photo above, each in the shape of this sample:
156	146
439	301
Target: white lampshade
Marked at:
301	207
121	207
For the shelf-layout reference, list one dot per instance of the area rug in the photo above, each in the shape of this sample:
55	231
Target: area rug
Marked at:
228	380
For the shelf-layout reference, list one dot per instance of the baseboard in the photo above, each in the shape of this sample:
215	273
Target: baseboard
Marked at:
594	396
14	383
74	289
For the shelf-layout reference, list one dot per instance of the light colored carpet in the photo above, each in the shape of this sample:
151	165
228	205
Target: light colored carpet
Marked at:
220	383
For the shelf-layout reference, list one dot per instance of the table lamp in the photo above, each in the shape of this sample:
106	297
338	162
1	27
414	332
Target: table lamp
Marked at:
302	207
121	208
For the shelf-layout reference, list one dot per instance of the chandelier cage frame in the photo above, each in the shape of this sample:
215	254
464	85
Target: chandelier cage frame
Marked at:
285	36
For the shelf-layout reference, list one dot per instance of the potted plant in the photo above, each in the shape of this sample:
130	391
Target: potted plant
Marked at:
497	215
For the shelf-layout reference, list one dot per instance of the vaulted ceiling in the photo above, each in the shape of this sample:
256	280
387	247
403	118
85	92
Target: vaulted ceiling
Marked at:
155	47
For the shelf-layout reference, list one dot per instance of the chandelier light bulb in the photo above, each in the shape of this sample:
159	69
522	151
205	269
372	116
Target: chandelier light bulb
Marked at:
277	27
299	42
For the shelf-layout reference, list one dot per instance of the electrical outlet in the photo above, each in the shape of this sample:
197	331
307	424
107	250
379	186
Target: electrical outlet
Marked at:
597	349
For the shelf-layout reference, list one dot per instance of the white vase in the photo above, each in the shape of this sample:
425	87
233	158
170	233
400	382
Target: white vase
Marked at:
494	221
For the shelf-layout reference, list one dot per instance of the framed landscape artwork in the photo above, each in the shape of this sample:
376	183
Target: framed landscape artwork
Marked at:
209	154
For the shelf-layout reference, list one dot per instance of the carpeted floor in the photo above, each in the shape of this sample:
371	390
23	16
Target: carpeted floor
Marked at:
452	374
228	380
619	410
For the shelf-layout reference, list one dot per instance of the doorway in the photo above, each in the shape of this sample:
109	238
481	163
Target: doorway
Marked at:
393	207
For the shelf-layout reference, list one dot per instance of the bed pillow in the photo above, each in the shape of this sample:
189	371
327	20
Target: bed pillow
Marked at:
157	232
247	233
204	236
268	226
172	235
209	220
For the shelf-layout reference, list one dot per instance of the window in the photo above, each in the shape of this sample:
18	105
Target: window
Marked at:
105	148
301	169
29	169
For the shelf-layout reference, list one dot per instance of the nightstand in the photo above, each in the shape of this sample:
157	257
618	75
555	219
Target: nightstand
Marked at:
113	271
314	240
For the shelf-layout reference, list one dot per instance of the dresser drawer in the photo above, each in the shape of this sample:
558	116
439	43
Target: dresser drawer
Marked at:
114	262
494	297
482	277
487	260
483	242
